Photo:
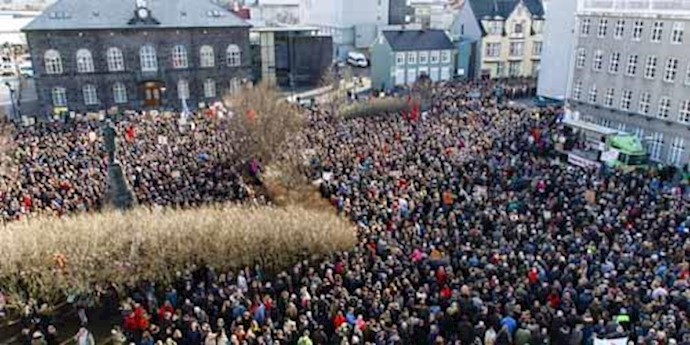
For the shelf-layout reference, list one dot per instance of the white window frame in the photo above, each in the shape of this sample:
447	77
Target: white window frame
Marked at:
676	151
207	57
650	67
577	90
182	89
638	29
514	68
626	100
119	93
59	96
644	103
179	57
115	59
656	146
411	58
581	59
592	95
619	32
423	58
631	67
400	59
537	47
445	56
602	29
687	75
90	94
233	55
657	33
434	57
493	49
52	62
84	61
684	112
677	33
517	49
671	70
148	58
585	27
614	62
598	61
210	88
664	108
608	98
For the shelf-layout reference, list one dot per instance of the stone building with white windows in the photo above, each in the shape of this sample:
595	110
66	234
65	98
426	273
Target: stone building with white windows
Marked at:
95	55
632	72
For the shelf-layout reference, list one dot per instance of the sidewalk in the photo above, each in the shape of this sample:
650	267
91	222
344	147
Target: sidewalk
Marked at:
322	91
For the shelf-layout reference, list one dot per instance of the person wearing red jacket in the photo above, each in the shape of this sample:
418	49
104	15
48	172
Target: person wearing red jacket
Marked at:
339	320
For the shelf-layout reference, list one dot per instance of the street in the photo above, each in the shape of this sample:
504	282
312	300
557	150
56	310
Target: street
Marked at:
28	93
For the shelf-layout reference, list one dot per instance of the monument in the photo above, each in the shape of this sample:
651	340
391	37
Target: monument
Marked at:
117	193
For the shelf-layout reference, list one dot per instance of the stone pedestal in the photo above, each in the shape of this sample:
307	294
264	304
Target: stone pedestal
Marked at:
117	194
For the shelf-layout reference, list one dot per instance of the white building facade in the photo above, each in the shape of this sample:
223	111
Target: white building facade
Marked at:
353	24
559	44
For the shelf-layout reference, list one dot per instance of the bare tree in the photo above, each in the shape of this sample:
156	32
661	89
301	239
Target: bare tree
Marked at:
336	98
263	122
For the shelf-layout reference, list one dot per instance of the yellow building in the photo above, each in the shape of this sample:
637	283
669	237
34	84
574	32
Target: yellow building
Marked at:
508	35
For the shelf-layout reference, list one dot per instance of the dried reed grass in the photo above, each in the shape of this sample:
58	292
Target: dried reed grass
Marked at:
154	245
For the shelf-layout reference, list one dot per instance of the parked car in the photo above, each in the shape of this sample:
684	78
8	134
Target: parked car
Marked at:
7	69
26	69
357	59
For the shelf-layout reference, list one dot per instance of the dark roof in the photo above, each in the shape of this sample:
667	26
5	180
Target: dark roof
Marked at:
406	40
116	14
503	8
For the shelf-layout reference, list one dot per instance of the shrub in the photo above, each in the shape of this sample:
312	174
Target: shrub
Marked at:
376	107
51	258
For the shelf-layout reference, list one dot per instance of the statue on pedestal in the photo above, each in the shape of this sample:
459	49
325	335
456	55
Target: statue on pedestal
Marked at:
118	194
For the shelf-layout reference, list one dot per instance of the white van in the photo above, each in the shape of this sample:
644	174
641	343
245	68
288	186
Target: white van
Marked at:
6	69
357	59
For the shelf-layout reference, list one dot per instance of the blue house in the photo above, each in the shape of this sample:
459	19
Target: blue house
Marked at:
399	57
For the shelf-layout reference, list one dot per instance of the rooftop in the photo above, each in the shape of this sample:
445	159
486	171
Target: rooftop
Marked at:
407	40
116	14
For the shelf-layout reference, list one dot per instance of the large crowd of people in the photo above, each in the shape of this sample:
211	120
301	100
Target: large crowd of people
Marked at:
59	168
469	233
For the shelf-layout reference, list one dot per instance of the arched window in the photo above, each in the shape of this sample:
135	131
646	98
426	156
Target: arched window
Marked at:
179	57
119	93
90	95
116	61
84	61
149	60
59	96
234	55
209	88
208	58
183	89
53	62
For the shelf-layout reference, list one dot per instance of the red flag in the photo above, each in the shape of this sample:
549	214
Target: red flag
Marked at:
414	114
251	115
129	133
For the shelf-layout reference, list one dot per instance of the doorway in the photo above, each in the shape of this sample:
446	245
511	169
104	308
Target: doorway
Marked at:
152	93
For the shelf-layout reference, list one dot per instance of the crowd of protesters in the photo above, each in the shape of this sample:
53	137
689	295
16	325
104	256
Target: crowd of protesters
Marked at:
469	233
167	163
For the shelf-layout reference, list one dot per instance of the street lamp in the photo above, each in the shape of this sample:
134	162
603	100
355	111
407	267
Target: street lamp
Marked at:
15	114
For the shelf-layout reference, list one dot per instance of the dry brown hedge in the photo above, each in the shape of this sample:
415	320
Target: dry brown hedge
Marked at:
142	245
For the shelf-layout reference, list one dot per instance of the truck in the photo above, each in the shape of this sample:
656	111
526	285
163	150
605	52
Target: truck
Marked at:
590	145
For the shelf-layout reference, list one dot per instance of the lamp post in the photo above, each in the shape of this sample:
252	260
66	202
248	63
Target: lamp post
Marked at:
15	114
162	103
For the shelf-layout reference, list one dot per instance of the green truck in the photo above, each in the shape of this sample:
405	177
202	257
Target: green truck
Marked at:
608	146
